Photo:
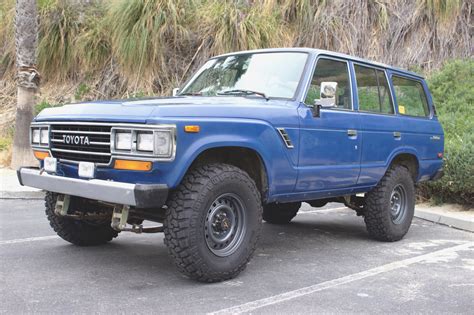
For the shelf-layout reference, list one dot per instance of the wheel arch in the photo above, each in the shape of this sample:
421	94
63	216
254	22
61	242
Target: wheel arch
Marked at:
245	158
409	159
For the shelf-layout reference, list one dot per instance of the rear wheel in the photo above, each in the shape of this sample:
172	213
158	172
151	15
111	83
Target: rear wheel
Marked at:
280	213
75	231
389	208
213	222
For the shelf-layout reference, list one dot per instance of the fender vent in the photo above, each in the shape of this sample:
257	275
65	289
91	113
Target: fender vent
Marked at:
286	138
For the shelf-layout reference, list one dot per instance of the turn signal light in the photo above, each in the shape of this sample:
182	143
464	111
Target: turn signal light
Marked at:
132	165
192	128
440	155
41	155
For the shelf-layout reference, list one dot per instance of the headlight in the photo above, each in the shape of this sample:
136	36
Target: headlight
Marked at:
44	136
163	143
145	141
155	142
39	136
123	140
36	136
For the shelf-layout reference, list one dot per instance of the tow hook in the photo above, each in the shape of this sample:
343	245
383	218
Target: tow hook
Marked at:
120	218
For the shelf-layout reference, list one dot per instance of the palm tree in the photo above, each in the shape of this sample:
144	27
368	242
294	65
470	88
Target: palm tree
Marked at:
26	40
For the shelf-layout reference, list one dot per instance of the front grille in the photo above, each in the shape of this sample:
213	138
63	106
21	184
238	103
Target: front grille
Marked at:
96	149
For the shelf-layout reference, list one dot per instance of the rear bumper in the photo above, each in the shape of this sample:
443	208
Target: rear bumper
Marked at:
438	174
138	195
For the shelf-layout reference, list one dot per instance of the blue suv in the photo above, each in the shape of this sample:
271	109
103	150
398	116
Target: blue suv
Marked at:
251	135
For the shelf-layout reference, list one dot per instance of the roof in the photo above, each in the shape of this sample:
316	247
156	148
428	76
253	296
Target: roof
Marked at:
323	52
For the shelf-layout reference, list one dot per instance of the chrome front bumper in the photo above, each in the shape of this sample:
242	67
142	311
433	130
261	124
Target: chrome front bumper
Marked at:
138	195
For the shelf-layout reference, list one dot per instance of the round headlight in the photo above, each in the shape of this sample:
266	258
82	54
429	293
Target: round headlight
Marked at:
163	143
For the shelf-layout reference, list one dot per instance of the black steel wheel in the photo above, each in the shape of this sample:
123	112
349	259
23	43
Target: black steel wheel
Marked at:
213	222
398	204
390	206
225	228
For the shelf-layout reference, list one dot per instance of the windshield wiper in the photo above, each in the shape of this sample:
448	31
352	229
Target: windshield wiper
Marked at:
191	94
244	92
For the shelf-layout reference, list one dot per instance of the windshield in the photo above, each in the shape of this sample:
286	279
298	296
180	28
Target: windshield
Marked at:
264	74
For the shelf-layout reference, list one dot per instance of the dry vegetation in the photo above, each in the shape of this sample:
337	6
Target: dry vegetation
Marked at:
92	49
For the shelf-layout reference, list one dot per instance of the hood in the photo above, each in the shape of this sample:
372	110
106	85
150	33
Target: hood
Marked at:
153	110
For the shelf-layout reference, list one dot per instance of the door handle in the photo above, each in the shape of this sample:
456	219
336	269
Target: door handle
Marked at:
352	133
397	134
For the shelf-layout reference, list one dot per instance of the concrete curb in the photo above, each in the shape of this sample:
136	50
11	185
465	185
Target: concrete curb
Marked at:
446	219
22	194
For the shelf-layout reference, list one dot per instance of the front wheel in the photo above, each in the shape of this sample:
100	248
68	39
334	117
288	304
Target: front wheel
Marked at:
78	232
213	222
389	208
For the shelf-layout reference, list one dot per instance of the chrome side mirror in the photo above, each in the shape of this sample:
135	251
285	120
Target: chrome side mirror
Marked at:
327	98
328	94
175	91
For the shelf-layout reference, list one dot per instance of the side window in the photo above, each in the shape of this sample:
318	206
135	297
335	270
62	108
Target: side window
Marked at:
411	97
373	90
328	70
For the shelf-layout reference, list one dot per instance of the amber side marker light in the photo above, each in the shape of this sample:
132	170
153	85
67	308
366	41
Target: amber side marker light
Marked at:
132	165
41	155
192	128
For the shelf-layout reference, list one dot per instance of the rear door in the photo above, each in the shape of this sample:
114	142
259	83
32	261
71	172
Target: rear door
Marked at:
421	130
329	144
380	127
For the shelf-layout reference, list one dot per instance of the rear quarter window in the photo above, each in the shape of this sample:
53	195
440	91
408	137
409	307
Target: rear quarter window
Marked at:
410	96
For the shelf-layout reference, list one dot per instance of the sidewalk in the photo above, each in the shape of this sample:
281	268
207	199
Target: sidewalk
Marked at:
446	214
10	188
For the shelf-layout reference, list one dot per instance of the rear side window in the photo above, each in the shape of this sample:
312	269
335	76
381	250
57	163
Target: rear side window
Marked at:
373	90
411	97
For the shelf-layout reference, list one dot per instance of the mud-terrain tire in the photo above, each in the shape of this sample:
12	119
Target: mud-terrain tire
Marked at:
280	213
77	232
213	222
390	206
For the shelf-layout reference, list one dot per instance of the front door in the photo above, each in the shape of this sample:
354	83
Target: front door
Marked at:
329	157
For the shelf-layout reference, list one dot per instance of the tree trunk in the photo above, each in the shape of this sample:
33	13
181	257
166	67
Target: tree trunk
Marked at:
26	40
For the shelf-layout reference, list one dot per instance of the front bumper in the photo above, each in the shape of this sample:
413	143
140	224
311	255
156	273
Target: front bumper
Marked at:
137	195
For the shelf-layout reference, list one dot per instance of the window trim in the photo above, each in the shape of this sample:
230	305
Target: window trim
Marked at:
430	115
306	90
298	87
387	78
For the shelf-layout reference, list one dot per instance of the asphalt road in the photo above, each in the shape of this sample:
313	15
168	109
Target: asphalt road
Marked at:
322	262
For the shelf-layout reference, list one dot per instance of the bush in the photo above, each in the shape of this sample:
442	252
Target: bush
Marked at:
40	106
453	95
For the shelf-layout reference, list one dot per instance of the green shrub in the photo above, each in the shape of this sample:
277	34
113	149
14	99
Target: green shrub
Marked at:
453	95
40	106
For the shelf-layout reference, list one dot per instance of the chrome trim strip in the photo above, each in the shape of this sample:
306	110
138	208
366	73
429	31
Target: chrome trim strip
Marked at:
82	132
81	152
91	142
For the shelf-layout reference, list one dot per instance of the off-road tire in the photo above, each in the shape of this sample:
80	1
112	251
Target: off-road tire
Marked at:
280	213
74	231
377	209
186	215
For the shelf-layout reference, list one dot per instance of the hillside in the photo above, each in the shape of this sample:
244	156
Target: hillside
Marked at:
119	48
